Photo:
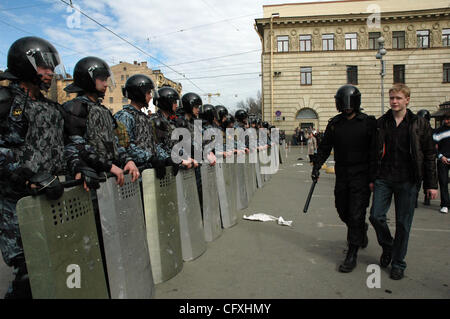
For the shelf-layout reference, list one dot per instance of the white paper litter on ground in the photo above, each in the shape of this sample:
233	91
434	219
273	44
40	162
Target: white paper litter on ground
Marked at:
268	218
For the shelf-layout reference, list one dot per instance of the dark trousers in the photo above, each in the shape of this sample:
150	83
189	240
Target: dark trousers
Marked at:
442	171
352	195
404	199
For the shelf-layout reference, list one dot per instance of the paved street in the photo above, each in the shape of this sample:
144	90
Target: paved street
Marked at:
267	260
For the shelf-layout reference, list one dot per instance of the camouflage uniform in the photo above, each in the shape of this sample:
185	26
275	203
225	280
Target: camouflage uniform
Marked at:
139	128
32	137
96	135
162	131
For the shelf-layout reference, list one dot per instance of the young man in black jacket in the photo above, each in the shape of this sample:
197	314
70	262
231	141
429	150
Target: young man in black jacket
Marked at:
404	154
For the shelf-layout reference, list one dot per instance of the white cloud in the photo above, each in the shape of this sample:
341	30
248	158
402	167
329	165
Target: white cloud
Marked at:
160	22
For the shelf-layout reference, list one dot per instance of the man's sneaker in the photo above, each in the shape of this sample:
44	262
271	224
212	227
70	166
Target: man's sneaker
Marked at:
444	210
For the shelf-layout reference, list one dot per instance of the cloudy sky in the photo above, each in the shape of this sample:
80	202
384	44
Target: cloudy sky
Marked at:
210	46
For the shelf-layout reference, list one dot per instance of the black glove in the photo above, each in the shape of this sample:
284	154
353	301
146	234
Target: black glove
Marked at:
19	177
89	175
315	174
93	160
47	183
159	166
175	167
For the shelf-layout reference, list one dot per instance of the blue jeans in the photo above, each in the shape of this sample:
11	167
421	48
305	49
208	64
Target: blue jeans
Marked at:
404	198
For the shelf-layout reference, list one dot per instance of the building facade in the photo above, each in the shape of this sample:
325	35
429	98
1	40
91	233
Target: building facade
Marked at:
309	50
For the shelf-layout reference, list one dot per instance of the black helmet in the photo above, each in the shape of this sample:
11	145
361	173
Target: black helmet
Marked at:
136	87
86	71
348	97
167	96
208	113
221	112
425	114
26	55
240	115
265	124
229	119
189	101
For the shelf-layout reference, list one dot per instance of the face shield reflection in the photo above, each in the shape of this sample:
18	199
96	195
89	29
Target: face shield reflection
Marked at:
47	60
103	73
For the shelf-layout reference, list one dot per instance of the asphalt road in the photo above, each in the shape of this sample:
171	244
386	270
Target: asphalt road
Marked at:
265	260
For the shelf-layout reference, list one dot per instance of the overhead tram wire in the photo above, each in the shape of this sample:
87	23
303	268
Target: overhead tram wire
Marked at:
131	44
29	33
201	26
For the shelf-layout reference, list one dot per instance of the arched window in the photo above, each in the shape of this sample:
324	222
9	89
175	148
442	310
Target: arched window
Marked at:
307	114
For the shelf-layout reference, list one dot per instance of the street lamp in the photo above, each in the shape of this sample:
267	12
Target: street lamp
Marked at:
382	52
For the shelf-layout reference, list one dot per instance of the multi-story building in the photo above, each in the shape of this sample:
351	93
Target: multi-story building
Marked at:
311	49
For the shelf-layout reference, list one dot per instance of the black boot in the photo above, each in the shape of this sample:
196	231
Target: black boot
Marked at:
350	261
21	288
366	239
386	257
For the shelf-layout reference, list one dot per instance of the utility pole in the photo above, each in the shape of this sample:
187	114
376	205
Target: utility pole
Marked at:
381	53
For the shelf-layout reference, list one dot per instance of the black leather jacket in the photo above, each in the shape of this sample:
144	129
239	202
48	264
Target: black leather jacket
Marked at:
422	149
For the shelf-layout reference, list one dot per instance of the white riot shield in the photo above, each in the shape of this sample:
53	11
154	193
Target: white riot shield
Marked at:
61	246
253	183
211	211
259	178
247	175
227	197
125	240
162	223
241	186
193	242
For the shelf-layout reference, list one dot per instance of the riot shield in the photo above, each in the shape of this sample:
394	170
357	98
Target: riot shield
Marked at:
259	178
211	211
241	186
227	197
61	246
162	223
193	242
125	240
247	177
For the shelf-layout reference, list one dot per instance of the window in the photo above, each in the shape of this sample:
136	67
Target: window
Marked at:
398	39
352	74
351	41
122	77
423	39
446	37
306	75
328	42
283	43
305	42
373	40
124	68
446	72
111	100
399	73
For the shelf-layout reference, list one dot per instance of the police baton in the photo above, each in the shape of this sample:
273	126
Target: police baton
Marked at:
308	199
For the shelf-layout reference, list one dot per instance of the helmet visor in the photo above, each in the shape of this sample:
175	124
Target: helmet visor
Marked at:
102	73
348	102
47	60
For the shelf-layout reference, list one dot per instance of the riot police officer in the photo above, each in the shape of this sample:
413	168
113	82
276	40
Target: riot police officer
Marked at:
241	117
139	89
350	134
90	126
163	124
426	201
31	145
222	112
